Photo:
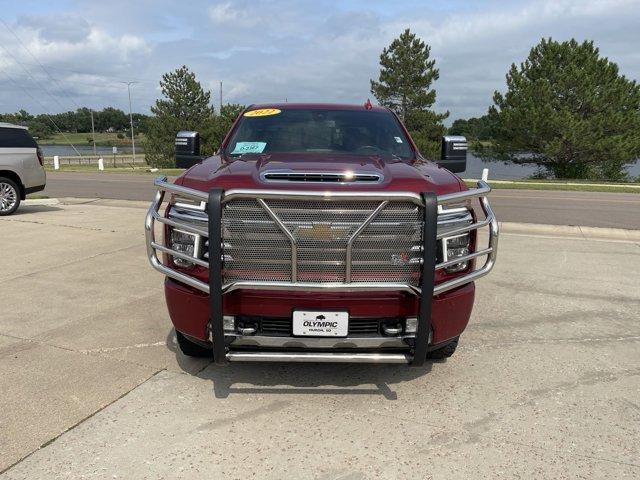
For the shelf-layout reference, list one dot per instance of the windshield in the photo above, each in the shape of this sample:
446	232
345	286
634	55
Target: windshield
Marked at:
271	130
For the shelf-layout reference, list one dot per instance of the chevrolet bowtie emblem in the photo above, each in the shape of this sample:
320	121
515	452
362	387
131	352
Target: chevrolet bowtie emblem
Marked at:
322	231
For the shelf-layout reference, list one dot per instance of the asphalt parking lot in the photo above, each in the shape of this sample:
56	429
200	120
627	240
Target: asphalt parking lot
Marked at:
545	383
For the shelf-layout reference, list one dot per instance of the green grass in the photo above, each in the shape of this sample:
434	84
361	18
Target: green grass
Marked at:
574	186
36	196
140	170
102	139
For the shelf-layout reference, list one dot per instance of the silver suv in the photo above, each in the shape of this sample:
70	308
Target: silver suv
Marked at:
21	167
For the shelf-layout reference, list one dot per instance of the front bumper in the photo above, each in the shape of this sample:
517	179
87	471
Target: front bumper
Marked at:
216	296
189	312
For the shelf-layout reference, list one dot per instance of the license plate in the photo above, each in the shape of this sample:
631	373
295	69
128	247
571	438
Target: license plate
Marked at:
320	324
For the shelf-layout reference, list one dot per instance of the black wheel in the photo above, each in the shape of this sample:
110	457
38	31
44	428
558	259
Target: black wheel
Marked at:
445	351
192	349
9	196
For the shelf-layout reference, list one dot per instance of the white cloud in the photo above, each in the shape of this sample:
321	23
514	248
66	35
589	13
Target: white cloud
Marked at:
98	46
302	50
226	14
62	69
65	27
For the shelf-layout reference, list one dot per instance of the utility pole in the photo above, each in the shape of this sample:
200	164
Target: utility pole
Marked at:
93	133
220	98
133	142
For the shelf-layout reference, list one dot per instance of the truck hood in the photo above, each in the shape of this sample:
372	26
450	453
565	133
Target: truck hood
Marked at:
247	173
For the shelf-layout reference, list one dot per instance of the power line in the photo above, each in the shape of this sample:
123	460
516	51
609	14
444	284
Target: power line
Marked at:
101	98
45	114
100	82
52	67
106	75
38	61
32	77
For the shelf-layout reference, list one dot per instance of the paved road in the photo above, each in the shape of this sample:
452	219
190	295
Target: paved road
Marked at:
544	384
614	210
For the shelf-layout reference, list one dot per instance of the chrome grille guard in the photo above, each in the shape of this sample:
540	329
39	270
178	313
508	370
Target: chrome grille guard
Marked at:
153	246
210	205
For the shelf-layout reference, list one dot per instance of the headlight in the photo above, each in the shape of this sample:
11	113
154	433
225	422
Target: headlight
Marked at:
456	247
183	242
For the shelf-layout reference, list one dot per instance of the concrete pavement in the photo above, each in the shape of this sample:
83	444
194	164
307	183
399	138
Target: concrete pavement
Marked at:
545	382
608	210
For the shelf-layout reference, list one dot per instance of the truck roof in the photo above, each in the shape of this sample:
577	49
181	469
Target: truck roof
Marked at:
11	125
323	106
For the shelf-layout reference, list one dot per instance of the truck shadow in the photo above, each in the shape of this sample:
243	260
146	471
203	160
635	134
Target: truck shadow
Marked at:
300	378
309	378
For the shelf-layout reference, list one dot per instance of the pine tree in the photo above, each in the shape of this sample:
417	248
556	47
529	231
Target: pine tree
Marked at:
569	111
215	131
404	85
186	106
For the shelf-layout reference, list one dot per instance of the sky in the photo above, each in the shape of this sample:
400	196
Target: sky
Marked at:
58	56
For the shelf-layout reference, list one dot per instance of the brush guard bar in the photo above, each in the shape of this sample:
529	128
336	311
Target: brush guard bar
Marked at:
212	202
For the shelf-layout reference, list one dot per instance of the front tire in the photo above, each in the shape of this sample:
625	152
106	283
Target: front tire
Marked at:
445	351
192	349
9	196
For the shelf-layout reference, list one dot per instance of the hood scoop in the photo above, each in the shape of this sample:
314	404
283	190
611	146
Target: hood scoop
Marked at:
320	177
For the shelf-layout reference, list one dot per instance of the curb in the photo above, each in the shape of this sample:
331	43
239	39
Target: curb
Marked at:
105	202
565	231
559	184
40	202
571	231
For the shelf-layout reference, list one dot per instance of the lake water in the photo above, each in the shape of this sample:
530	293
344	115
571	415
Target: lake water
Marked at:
497	170
502	171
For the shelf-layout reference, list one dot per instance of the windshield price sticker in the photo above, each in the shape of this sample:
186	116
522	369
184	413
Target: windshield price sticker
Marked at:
263	112
249	147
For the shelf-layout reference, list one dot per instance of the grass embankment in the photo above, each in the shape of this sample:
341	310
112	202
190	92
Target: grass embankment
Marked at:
102	139
140	170
566	185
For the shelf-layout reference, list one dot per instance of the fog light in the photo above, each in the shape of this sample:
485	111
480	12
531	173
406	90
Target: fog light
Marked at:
229	323
392	328
183	242
456	247
411	325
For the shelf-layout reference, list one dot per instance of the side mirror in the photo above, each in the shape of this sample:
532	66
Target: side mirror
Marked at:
187	147
453	155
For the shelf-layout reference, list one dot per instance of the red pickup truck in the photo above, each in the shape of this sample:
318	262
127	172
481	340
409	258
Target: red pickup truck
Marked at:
319	233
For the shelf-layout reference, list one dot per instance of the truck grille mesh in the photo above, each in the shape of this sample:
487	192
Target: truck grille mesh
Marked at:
255	247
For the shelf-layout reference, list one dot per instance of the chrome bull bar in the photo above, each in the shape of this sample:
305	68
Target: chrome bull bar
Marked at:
428	201
153	216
